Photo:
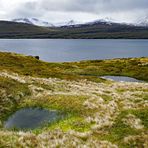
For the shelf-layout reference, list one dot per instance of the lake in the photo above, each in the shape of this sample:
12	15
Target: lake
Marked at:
31	118
67	50
121	79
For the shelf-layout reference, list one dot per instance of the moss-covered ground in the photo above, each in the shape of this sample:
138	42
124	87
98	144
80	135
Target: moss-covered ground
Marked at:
99	113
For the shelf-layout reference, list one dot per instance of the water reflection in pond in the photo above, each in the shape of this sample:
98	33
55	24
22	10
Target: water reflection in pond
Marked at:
121	79
31	118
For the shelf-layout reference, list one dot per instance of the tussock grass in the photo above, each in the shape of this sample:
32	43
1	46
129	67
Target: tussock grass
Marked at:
119	131
65	103
95	109
11	94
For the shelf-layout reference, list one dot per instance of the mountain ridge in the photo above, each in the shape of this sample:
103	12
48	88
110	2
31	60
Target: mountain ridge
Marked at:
94	30
35	21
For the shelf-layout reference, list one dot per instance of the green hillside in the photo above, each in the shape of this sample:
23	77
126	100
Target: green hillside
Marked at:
94	31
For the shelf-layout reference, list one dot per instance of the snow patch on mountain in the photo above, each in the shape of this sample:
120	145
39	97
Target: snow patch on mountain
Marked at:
143	22
72	23
33	21
69	23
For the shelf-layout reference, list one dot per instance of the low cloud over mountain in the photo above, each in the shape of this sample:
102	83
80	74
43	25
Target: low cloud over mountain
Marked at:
79	10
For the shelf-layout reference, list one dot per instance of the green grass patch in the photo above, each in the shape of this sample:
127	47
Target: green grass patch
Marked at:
65	103
91	70
143	96
119	130
143	115
106	98
11	94
71	123
70	106
13	87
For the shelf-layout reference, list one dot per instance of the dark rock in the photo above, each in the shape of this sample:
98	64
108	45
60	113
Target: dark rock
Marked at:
37	57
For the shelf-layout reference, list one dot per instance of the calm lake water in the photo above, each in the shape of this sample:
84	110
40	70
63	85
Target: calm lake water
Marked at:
61	50
31	118
121	79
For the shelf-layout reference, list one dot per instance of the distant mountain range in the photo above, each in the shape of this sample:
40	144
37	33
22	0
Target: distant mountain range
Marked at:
100	29
143	21
37	22
32	21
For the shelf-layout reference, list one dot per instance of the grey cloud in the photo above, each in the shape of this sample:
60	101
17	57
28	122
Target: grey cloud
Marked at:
85	5
109	8
93	5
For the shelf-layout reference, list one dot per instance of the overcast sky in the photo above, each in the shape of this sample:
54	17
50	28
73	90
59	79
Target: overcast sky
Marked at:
78	10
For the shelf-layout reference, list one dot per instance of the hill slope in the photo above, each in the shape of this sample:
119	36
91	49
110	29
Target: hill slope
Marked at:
20	30
92	31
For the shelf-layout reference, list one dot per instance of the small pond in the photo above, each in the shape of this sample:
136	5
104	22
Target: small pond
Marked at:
121	79
31	118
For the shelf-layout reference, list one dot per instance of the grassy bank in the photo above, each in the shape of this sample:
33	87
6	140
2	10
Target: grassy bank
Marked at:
98	112
133	67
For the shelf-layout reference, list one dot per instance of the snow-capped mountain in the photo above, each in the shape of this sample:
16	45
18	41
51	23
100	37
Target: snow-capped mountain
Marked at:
33	21
37	22
98	29
69	23
72	23
22	20
99	21
106	20
143	22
